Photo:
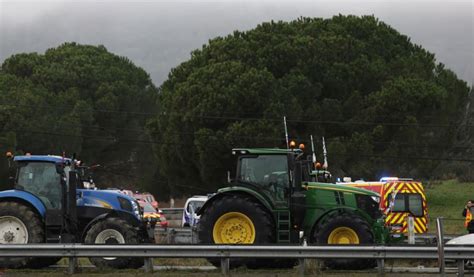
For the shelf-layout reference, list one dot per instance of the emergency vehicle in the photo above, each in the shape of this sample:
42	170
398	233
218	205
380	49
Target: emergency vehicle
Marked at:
399	198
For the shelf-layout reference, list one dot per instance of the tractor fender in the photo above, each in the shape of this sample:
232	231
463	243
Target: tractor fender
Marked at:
236	191
123	215
24	197
92	222
315	222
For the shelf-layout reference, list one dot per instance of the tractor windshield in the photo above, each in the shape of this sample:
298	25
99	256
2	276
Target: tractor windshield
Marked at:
268	171
42	180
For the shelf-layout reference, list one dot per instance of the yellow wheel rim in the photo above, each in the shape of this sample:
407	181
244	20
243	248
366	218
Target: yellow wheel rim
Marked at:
233	228
343	235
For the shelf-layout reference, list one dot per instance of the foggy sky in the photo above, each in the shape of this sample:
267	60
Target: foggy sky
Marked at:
159	35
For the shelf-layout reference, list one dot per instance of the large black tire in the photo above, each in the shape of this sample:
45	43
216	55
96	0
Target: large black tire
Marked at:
260	218
351	222
113	231
17	212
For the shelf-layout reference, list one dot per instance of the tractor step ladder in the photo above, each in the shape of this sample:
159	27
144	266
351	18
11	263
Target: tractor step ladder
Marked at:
53	223
283	224
53	234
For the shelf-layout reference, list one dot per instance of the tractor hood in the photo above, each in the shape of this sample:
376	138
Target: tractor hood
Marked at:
343	188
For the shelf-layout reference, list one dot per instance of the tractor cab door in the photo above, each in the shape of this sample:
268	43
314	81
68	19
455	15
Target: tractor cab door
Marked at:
269	174
46	182
42	180
301	175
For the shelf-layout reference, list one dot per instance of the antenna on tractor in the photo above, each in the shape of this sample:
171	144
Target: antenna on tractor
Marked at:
287	145
312	150
325	153
286	133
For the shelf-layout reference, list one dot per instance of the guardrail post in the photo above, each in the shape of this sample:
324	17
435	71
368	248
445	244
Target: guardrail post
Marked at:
302	262
148	265
72	265
380	267
225	265
170	235
301	267
460	268
440	238
411	229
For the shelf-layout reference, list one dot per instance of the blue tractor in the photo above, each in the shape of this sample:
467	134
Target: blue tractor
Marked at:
48	204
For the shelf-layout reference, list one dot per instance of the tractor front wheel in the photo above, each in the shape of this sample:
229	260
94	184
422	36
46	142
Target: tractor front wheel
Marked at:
345	229
113	231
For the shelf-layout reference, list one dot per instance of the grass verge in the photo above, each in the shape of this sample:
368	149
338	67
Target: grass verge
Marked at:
447	199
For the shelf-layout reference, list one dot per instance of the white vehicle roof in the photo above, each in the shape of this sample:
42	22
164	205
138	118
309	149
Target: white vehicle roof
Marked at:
462	240
200	198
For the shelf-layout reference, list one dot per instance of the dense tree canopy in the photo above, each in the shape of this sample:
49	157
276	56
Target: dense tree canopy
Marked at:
78	99
383	103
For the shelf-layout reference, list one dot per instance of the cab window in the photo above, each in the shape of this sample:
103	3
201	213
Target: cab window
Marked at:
269	172
264	169
407	202
42	180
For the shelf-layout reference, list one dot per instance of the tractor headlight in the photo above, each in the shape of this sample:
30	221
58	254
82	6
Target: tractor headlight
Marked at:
136	208
125	204
130	205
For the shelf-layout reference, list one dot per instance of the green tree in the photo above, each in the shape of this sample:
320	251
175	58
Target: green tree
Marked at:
376	97
79	99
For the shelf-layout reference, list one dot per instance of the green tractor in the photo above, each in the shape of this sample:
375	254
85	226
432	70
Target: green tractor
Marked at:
275	198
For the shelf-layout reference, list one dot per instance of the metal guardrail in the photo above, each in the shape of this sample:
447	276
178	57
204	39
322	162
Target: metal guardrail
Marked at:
234	251
226	252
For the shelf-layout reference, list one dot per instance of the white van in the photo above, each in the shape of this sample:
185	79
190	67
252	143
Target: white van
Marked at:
192	205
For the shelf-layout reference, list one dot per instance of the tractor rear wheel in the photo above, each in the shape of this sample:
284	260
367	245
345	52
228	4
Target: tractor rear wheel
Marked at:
113	231
236	219
345	229
19	224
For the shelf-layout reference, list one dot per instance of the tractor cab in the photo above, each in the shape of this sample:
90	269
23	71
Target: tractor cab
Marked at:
274	172
43	177
51	180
